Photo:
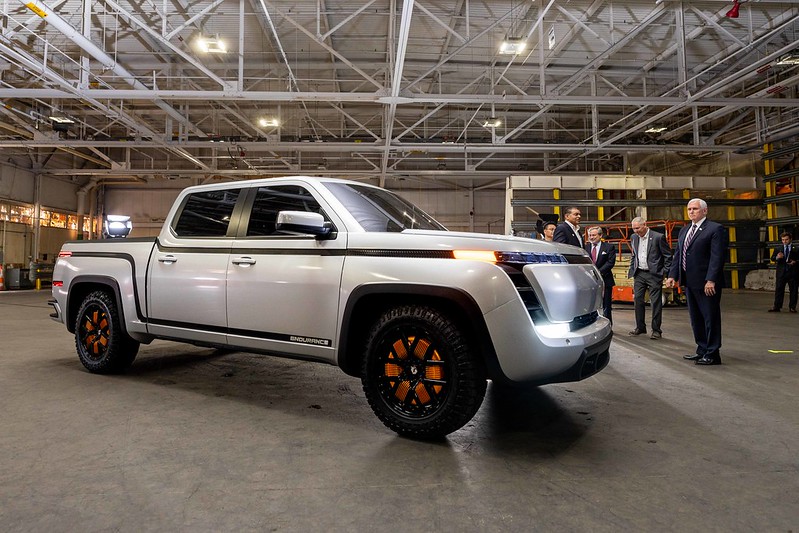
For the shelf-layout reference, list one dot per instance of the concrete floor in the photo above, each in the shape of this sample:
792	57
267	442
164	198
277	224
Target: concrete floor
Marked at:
193	440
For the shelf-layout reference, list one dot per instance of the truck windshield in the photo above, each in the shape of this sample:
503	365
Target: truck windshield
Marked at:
379	210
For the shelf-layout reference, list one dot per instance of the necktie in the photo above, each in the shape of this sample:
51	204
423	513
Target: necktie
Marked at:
787	251
593	252
686	243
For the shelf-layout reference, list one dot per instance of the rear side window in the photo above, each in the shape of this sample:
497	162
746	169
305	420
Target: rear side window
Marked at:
269	201
207	214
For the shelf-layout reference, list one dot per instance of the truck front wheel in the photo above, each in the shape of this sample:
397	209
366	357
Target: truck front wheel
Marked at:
420	374
102	344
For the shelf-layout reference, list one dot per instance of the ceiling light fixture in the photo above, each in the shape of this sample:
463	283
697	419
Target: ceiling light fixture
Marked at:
733	13
512	46
492	122
656	129
268	122
62	120
791	58
212	45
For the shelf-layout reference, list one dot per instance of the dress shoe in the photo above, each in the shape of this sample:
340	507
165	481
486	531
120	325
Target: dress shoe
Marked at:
792	310
709	360
694	357
637	332
656	335
773	310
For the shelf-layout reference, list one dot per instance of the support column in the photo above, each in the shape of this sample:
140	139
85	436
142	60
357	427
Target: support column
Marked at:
600	195
733	250
37	216
771	191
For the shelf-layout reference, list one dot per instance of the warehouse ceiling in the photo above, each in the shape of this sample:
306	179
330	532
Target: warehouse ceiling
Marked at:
390	89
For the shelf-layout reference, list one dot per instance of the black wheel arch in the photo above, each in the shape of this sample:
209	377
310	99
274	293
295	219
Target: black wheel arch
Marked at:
82	286
367	302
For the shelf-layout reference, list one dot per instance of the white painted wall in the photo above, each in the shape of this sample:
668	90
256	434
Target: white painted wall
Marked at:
16	243
452	208
59	195
146	207
16	184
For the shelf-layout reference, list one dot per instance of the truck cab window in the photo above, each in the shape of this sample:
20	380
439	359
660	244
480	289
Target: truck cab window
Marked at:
269	201
207	214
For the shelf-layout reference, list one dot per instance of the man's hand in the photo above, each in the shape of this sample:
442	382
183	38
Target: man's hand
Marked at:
710	288
670	284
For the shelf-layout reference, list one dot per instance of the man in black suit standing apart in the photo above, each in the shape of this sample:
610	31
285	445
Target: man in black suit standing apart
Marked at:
786	257
604	257
649	264
568	231
699	268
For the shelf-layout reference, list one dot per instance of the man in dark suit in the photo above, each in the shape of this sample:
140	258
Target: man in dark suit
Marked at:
604	257
649	264
568	231
786	257
699	268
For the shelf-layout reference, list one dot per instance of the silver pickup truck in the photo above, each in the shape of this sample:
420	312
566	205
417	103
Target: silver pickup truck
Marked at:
347	274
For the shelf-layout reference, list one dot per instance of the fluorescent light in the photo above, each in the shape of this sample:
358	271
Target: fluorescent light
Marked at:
212	45
62	120
268	122
789	59
492	122
656	129
512	46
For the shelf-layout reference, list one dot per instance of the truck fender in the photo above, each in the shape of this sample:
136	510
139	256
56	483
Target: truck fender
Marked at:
81	286
367	301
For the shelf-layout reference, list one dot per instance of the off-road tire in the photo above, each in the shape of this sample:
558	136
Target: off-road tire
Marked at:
420	373
102	344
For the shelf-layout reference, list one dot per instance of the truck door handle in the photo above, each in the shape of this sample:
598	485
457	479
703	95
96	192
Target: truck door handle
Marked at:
243	261
169	259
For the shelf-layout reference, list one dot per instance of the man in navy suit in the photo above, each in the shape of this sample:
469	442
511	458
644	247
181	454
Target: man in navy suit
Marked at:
604	257
649	264
787	259
699	267
568	231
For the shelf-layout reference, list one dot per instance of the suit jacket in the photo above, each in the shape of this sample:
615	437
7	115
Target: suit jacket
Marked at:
564	233
658	255
605	261
782	266
705	256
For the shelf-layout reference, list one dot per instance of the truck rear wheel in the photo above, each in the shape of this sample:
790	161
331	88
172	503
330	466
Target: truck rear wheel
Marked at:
420	374
102	344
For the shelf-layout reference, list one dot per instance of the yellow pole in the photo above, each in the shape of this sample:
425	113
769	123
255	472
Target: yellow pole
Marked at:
556	196
600	195
733	250
771	191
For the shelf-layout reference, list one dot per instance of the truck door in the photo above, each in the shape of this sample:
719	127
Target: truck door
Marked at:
186	289
283	289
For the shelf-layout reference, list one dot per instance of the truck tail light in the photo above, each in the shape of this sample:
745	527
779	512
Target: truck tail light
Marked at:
64	254
57	283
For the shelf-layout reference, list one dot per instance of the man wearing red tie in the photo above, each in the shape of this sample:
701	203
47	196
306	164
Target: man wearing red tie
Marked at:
604	257
699	267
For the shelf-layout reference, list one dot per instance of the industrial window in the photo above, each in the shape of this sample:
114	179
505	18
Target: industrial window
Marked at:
207	214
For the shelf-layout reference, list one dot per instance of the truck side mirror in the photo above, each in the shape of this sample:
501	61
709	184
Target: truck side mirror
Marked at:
304	222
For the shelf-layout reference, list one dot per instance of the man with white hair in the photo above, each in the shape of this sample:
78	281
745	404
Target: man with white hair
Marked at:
649	264
699	267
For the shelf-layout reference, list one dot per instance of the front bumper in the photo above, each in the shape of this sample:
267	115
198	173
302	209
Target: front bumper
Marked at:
592	360
541	353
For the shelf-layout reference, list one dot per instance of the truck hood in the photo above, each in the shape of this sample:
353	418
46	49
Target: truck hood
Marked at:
454	240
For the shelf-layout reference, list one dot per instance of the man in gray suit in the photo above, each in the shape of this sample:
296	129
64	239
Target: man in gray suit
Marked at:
649	265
